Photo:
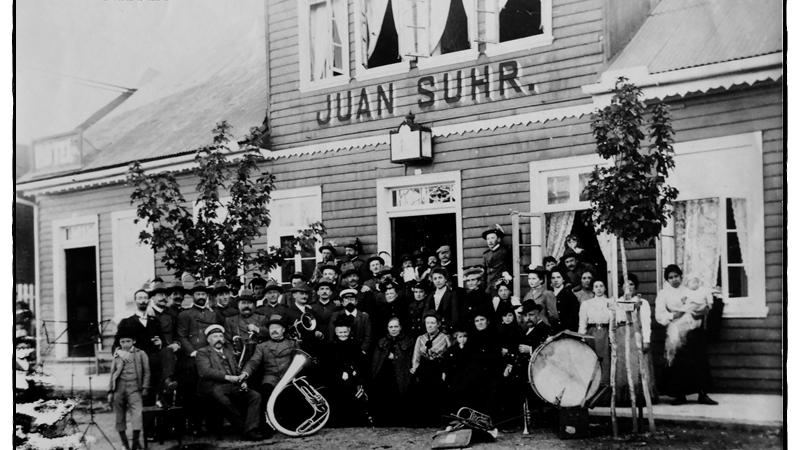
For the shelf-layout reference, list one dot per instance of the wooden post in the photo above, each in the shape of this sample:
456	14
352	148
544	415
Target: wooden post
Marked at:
643	368
629	372
611	330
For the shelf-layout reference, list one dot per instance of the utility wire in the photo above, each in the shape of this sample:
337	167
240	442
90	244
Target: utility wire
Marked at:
80	80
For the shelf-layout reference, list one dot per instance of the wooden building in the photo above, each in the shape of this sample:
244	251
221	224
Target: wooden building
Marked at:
507	88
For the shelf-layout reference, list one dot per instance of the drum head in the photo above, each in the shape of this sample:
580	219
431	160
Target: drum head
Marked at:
564	372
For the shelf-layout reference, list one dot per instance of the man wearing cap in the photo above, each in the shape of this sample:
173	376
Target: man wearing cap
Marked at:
352	260
272	358
221	382
247	325
361	330
366	296
443	300
496	259
325	306
445	254
474	297
192	323
223	303
328	254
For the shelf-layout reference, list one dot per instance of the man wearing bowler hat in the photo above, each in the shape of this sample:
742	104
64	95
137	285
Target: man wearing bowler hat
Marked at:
223	302
325	305
352	260
222	383
310	339
328	254
247	325
271	302
496	259
375	264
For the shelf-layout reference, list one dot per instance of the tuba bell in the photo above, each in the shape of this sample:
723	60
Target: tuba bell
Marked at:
320	407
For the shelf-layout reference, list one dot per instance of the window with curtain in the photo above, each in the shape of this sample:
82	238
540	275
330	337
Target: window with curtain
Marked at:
327	38
709	238
289	214
396	30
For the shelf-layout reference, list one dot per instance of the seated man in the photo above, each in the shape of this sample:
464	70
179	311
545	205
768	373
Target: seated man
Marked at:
221	382
273	357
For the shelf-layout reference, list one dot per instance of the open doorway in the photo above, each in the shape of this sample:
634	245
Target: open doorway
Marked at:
81	289
427	232
587	238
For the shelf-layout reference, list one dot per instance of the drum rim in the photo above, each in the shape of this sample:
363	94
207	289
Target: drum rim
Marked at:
594	383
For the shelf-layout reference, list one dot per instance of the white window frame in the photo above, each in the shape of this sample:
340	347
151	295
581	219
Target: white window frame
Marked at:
423	63
311	198
572	167
122	295
752	306
59	277
495	48
386	211
306	84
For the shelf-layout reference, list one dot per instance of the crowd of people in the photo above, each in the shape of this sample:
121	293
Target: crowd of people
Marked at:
392	346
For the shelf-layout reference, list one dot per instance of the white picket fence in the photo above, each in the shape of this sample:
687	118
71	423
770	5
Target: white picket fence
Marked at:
26	292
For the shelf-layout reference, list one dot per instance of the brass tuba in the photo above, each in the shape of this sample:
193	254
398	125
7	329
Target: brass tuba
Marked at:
320	407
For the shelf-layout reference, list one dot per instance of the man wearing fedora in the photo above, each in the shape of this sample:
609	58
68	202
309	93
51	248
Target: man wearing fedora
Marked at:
192	323
328	254
325	305
496	259
221	382
270	303
167	323
361	329
223	302
312	339
246	324
353	261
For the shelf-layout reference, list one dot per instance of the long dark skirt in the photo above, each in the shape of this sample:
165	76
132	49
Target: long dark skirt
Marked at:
389	405
689	372
429	394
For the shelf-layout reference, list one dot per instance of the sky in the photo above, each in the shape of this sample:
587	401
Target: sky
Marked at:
69	51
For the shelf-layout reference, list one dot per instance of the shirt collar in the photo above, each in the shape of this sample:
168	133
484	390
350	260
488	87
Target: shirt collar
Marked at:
157	309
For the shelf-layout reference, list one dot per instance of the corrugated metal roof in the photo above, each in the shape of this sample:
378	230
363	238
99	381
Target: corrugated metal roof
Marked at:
689	33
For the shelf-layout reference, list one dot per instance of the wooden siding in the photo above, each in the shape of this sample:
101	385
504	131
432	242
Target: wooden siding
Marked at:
559	70
495	180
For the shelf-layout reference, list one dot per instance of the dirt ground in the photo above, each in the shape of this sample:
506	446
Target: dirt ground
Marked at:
669	435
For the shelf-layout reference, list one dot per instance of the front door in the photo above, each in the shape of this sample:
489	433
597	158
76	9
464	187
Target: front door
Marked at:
81	283
427	232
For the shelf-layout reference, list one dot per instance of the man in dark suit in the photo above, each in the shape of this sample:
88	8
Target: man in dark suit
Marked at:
443	300
221	382
325	305
223	302
567	305
496	259
361	331
312	340
246	325
445	261
352	261
473	298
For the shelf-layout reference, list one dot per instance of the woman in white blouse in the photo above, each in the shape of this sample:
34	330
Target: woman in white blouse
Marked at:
593	319
427	369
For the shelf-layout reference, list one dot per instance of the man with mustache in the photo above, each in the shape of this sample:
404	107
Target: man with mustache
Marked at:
222	383
246	324
223	302
192	323
361	329
272	358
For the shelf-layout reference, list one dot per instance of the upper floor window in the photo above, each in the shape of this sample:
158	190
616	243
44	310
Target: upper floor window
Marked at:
513	25
324	43
391	32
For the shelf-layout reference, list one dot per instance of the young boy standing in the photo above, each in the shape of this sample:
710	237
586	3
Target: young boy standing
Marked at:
129	382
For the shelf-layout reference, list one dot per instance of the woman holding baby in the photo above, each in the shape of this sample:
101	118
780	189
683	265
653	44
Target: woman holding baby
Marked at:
681	308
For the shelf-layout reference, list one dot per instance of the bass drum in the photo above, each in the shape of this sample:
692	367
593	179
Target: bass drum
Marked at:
564	371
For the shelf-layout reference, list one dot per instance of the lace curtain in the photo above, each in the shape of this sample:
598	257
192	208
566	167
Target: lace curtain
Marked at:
320	36
740	216
373	14
558	227
697	249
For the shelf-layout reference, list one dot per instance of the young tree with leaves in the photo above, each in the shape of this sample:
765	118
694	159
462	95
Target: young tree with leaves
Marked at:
210	244
630	199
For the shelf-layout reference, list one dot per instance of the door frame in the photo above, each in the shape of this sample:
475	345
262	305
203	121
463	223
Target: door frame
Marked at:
385	210
90	237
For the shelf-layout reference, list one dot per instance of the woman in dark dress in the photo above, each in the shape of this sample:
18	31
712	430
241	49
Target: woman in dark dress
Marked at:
391	376
567	304
344	363
428	369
